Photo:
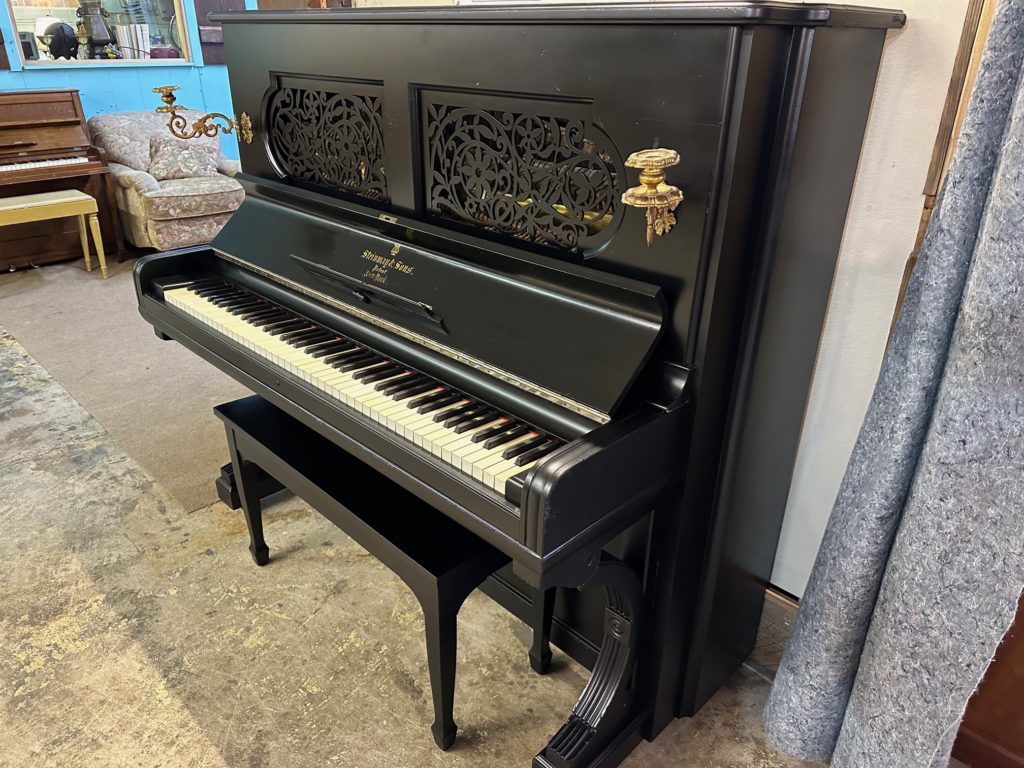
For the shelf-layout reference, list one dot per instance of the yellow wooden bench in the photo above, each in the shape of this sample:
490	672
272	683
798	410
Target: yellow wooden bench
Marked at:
57	205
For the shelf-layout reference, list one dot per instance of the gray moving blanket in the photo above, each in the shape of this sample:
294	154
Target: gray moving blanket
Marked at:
922	562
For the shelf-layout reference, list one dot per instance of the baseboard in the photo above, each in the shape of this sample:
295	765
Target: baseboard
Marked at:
979	751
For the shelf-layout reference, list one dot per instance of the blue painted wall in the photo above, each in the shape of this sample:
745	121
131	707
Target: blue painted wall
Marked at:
127	87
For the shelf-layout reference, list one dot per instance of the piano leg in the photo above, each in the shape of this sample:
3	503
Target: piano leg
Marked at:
247	482
543	612
606	703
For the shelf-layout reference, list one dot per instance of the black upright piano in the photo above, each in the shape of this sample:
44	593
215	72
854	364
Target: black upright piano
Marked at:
447	207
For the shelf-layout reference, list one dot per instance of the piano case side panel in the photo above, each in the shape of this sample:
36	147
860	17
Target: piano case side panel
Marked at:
798	258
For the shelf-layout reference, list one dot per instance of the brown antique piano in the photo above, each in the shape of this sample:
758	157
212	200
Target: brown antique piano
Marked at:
443	266
44	146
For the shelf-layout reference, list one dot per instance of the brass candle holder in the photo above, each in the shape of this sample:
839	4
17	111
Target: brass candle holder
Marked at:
204	126
653	194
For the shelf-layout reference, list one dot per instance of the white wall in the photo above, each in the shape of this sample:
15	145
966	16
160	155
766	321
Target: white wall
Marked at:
880	233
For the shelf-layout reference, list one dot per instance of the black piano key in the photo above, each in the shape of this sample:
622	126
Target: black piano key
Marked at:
244	297
214	291
434	394
284	327
387	388
497	429
527	445
262	314
476	421
356	362
248	306
229	300
458	418
447	414
294	337
536	453
330	347
353	350
273	319
386	370
401	387
498	440
416	389
442	402
262	306
317	337
223	293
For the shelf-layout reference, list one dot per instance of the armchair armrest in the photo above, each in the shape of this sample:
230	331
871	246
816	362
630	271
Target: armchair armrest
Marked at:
129	178
227	166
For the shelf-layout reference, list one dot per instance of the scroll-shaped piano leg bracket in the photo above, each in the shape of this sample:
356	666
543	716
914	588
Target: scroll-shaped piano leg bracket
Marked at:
607	702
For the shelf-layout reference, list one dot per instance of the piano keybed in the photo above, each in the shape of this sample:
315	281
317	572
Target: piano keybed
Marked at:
56	162
464	433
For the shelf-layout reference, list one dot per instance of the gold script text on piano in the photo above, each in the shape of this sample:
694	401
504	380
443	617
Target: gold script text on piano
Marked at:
384	266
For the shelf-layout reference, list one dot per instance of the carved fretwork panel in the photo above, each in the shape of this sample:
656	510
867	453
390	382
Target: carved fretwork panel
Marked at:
329	133
539	176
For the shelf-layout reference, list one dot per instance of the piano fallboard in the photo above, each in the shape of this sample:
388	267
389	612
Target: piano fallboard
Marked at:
569	334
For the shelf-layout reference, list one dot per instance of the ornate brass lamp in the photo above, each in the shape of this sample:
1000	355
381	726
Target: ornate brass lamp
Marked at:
178	125
653	194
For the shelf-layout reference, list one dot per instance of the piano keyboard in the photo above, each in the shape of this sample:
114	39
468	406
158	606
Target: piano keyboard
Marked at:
464	433
30	164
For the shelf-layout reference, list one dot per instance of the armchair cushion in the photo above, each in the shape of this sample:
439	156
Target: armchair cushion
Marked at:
171	158
129	178
124	136
196	196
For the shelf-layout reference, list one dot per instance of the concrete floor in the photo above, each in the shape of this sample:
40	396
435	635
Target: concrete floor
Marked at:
135	633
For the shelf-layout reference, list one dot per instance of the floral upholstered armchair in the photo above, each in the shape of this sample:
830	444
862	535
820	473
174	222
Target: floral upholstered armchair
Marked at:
171	193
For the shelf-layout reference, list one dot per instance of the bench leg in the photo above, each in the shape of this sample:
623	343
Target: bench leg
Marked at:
94	226
440	618
85	242
247	477
543	611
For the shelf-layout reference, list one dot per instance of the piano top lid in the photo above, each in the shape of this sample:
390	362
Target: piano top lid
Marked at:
569	334
722	12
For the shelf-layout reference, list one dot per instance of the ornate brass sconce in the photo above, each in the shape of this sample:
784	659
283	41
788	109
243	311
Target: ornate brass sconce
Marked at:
660	199
178	125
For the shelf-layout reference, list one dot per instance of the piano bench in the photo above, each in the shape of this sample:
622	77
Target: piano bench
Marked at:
58	205
439	560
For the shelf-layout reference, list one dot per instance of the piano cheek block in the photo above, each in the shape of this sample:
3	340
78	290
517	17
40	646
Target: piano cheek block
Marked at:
603	482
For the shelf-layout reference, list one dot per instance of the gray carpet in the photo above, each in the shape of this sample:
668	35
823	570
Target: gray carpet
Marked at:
155	398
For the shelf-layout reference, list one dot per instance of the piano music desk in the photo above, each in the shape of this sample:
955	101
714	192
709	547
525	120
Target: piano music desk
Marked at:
438	559
58	205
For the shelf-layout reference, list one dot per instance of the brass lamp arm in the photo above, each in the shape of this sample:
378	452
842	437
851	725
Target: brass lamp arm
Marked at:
178	125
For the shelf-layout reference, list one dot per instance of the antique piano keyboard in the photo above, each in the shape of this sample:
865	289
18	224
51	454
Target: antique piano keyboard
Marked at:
31	165
490	446
434	268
